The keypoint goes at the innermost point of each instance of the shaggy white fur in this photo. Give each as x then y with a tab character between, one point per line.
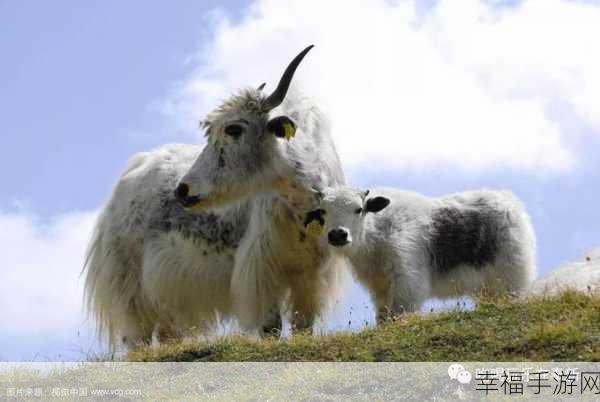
144	268
582	275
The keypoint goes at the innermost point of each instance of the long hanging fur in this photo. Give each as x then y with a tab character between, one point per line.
152	265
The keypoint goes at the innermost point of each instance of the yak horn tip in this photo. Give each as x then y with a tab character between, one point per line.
279	93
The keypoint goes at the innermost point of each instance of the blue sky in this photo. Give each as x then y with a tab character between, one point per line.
477	96
77	82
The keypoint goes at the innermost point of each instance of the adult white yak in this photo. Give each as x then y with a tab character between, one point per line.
191	234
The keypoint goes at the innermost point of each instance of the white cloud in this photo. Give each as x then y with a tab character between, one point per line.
41	288
466	84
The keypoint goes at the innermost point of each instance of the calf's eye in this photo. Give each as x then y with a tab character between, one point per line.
234	130
358	211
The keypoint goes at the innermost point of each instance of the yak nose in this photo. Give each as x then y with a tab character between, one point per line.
182	191
182	194
338	237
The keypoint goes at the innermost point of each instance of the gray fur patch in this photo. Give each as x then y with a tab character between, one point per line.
205	226
464	237
221	158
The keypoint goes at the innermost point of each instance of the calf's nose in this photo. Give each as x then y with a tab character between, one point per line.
338	237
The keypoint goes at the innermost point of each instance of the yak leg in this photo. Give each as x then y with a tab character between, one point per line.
137	326
166	332
305	303
273	325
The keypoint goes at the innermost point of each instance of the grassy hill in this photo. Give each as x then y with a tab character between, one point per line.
563	327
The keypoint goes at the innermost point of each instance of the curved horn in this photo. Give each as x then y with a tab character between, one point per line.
279	93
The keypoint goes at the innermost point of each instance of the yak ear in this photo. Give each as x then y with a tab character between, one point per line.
282	127
376	204
314	223
317	215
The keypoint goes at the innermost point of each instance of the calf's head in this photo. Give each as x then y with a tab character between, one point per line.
241	156
341	214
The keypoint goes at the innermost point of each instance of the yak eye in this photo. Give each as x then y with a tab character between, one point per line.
234	130
358	211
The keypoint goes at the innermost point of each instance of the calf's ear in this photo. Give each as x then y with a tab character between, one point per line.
376	204
282	127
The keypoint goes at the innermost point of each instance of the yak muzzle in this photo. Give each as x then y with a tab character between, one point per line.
183	197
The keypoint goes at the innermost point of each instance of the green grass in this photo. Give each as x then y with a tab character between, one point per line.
559	328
